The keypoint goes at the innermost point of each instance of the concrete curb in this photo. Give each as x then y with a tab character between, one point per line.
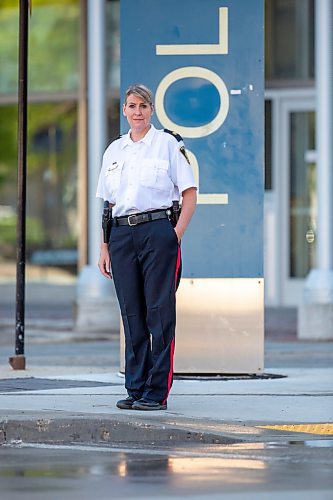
106	431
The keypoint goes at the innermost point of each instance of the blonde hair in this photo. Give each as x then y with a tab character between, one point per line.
141	91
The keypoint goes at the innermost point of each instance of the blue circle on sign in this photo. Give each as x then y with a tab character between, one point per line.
192	102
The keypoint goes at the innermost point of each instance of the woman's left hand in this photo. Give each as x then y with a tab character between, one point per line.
188	207
179	236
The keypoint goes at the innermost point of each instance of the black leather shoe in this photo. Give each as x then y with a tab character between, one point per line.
126	404
145	404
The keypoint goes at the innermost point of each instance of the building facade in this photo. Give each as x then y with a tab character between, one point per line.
57	139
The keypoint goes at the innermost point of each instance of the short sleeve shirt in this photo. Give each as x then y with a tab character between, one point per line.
145	175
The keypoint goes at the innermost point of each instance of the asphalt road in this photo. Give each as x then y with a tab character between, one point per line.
299	470
104	354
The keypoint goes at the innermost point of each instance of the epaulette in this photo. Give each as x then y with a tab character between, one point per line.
176	136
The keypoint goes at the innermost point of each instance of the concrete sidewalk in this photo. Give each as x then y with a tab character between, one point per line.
68	394
216	410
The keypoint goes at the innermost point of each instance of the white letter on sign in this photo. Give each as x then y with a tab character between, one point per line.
205	198
190	72
203	49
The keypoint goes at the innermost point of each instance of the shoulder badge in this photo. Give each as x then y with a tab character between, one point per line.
183	152
176	136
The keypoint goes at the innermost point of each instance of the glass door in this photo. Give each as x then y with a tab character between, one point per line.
298	196
302	194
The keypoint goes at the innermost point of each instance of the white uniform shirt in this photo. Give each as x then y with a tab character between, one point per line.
144	175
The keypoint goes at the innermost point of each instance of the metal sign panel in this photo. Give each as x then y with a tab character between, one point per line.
204	62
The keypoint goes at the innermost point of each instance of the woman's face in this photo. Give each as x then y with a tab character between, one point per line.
138	113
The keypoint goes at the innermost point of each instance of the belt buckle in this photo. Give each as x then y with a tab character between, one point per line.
129	221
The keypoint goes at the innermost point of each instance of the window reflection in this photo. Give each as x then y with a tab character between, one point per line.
289	42
52	163
53	30
112	44
51	181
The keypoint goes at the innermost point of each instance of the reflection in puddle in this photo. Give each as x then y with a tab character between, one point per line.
129	467
317	443
46	472
196	466
127	464
209	464
197	462
311	443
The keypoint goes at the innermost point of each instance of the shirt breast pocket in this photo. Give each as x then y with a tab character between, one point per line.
154	174
113	176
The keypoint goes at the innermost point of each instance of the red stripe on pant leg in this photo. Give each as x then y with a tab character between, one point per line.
170	376
177	267
172	345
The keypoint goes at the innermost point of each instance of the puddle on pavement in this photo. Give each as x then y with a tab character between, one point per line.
315	443
183	468
120	463
127	462
311	443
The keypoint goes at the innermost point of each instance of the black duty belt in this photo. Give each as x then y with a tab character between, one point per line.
133	220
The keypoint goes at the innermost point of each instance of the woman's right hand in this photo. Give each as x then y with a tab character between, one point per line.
104	261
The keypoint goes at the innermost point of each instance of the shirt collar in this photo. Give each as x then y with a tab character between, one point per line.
147	139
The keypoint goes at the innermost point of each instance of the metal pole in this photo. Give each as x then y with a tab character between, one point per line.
324	129
315	314
82	149
18	361
97	120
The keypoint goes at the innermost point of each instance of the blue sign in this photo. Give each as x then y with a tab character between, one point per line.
204	62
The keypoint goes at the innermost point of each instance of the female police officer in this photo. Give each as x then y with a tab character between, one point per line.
142	173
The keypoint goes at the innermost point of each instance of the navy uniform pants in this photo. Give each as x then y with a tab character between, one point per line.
145	261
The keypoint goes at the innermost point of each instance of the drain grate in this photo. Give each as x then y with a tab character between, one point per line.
40	384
